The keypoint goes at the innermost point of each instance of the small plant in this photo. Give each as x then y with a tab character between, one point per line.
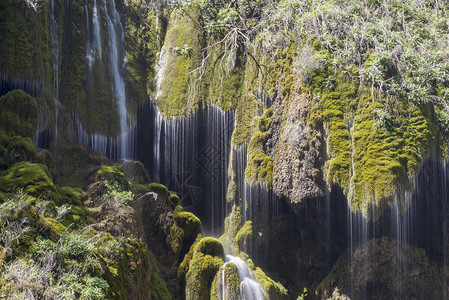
116	195
184	51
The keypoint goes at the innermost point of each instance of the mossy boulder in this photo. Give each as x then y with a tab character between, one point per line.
16	148
34	179
159	189
113	173
184	231
19	114
232	280
207	259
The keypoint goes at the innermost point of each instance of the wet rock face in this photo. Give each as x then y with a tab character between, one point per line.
296	149
157	218
383	269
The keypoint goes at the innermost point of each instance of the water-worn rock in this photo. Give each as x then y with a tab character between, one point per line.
297	150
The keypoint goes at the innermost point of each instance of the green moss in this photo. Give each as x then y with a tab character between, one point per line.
19	114
376	159
34	179
16	148
113	173
233	222
141	53
260	166
135	171
386	158
245	232
174	199
206	262
232	279
25	41
185	230
274	289
159	289
159	189
173	97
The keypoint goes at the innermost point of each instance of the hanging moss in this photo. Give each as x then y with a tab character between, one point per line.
260	166
25	42
207	259
141	50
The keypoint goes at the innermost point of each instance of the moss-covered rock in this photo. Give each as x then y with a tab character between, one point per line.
260	166
159	289
184	231
19	114
16	148
207	259
159	189
34	179
185	32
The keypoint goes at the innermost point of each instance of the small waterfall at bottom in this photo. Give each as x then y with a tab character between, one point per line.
248	289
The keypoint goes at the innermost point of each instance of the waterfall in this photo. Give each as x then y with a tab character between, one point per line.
249	288
55	64
116	65
89	57
7	84
190	156
96	31
121	146
93	44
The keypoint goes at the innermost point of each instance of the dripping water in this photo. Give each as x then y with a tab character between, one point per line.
116	65
55	66
190	156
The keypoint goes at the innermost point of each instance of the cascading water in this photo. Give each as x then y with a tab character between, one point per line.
55	64
93	41
116	63
190	156
249	288
121	146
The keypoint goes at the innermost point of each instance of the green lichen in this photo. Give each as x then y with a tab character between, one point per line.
207	259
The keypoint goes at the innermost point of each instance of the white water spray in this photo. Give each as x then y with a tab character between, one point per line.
249	288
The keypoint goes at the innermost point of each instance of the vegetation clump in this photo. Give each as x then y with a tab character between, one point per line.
207	259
